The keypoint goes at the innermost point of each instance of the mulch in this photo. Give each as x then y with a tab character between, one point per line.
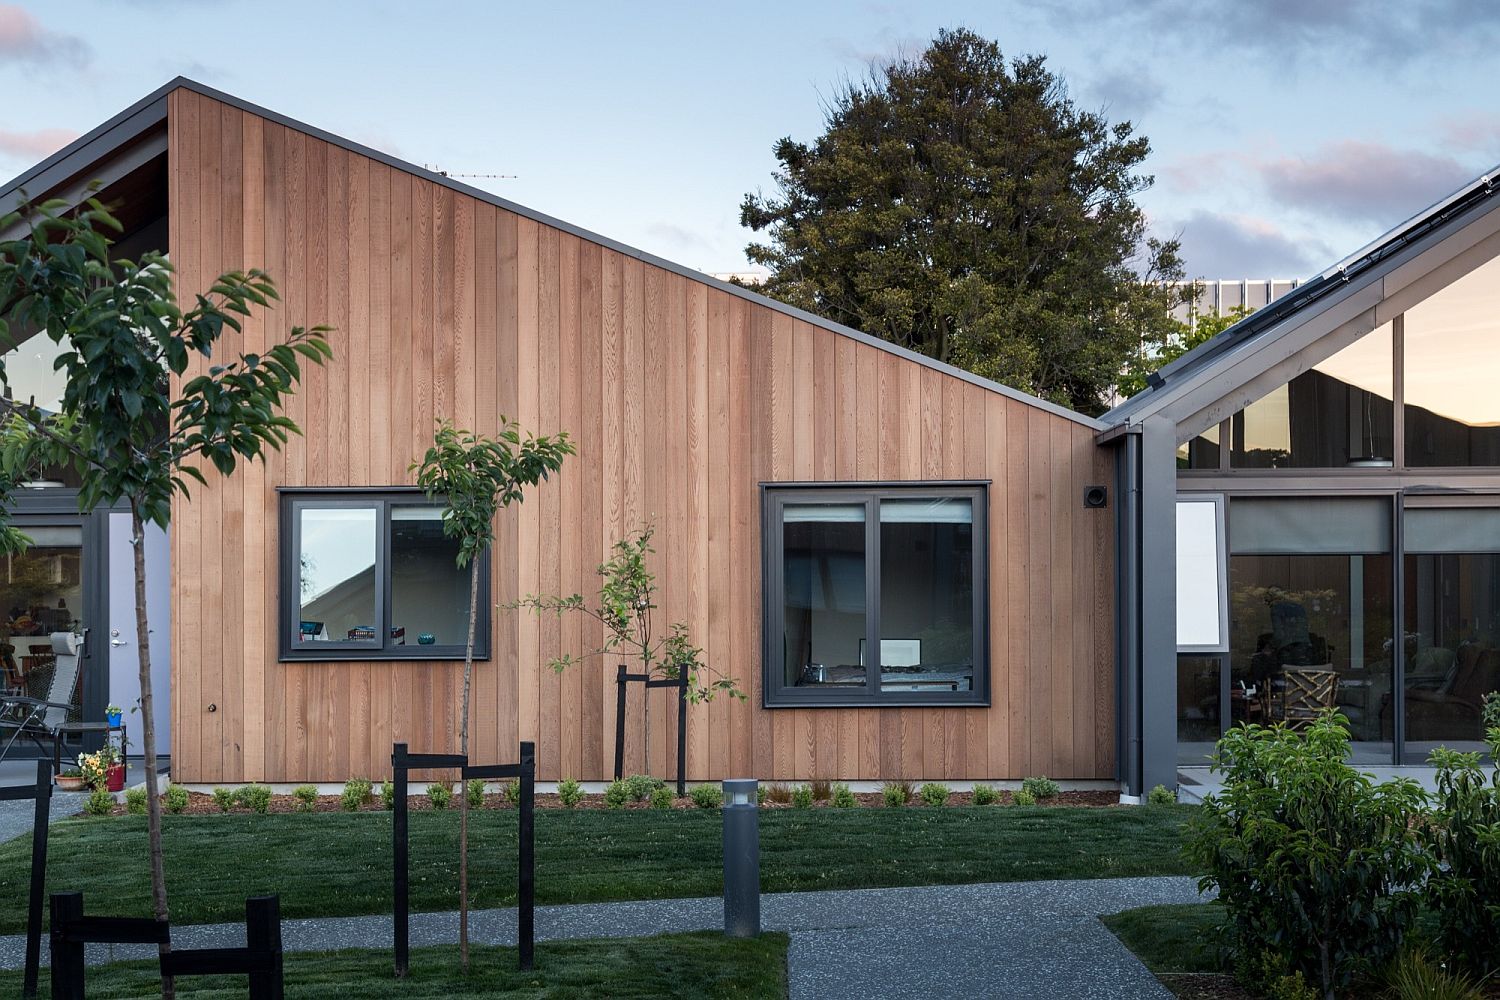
1203	986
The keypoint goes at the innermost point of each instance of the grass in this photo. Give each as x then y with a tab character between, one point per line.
339	864
674	965
1174	939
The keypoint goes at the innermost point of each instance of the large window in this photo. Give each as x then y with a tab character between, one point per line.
875	595
372	576
1452	369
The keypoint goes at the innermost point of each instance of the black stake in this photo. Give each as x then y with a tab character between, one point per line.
38	879
525	917
620	723
682	703
66	955
398	834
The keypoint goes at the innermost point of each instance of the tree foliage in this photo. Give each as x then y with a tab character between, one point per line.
1181	337
964	207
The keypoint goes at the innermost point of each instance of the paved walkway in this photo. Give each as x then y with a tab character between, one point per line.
1018	939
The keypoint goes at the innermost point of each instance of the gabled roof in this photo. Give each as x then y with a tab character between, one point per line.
1175	383
145	116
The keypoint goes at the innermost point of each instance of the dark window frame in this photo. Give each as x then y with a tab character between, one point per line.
296	499
775	692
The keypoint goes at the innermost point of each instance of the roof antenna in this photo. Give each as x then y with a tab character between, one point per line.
444	173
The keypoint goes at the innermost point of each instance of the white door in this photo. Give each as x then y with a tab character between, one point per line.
124	662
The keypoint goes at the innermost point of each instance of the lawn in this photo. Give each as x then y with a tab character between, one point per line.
674	965
1172	940
335	864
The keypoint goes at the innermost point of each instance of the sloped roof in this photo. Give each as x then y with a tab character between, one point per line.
150	112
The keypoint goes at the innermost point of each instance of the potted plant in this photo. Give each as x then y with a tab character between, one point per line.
112	715
105	768
70	780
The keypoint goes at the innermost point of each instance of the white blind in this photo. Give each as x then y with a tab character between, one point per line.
929	510
1453	529
415	513
823	513
52	535
1309	526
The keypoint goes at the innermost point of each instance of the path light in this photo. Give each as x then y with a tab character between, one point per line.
741	858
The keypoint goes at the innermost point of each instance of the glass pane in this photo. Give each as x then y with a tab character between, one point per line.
1337	415
41	592
1452	607
823	566
927	595
429	593
1311	525
1199	715
1452	369
1202	452
336	570
29	374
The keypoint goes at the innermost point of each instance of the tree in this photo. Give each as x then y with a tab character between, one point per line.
1183	337
475	477
124	337
965	208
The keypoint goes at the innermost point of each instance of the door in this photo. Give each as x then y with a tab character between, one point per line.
123	655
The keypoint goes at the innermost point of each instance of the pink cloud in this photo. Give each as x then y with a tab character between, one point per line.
24	39
1358	179
35	145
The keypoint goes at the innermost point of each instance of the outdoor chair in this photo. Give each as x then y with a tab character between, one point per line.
1309	692
38	719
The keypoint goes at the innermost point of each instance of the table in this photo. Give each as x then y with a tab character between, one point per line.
71	728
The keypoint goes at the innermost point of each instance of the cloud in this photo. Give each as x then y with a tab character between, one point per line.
35	145
1475	132
1363	181
681	239
1128	92
1218	245
23	40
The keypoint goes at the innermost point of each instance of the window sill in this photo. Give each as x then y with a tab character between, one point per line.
374	655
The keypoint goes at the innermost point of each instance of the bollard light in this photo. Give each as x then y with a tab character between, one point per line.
741	858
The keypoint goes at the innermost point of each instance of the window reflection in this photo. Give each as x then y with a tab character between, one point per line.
336	570
1452	373
927	594
429	593
823	548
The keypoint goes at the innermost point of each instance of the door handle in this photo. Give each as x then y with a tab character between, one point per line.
117	642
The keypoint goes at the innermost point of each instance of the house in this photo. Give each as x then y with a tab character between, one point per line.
912	572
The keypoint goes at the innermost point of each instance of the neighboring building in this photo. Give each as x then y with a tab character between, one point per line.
1224	296
913	572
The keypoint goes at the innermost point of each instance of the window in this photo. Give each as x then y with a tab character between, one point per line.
875	595
1452	410
372	576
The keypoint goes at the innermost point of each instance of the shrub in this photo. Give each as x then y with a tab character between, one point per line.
1041	788
304	798
616	794
640	786
982	795
1273	979
99	803
1161	795
224	799
1463	834
513	791
896	793
1414	976
843	798
778	793
135	801
822	790
760	795
388	795
934	794
707	796
1021	797
802	797
570	792
176	799
439	795
1312	860
258	797
662	798
474	789
356	793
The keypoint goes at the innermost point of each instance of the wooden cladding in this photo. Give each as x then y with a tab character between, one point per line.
681	398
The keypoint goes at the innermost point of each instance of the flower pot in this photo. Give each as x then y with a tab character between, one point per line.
70	783
115	778
112	718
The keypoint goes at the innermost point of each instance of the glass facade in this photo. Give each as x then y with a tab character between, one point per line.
1452	368
41	592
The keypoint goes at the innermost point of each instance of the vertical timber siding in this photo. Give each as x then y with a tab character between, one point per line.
682	398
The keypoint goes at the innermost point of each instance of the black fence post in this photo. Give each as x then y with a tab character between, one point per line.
682	703
620	723
38	879
526	908
263	940
401	933
66	956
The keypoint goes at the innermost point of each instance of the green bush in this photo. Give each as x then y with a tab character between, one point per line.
224	799
257	798
896	793
1041	788
304	798
982	795
934	794
640	786
760	795
570	792
1313	861
474	790
707	796
1463	834
388	794
843	798
1273	979
99	803
802	797
176	799
1161	795
1414	976
513	791
356	793
662	798
135	801
1021	797
439	795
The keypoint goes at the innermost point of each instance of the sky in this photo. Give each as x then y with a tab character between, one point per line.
1285	134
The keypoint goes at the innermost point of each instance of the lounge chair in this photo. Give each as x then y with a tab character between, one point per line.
38	719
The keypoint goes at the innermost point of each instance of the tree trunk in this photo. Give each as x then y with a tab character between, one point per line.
148	734
463	748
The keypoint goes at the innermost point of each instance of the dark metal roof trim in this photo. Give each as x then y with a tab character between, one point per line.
546	220
1310	292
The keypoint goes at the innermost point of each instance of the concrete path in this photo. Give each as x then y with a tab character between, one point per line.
1018	939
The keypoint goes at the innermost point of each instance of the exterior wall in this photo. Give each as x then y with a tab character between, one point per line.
682	398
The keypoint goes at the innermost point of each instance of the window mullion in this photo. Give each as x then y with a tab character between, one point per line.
383	576
872	596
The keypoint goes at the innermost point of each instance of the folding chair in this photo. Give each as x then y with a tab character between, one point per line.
39	718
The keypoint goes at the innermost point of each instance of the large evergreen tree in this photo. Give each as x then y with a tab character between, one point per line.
963	206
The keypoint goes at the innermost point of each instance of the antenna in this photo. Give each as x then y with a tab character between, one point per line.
444	173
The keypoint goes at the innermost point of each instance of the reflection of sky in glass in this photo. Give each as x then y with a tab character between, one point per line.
29	372
1453	349
337	544
1366	364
